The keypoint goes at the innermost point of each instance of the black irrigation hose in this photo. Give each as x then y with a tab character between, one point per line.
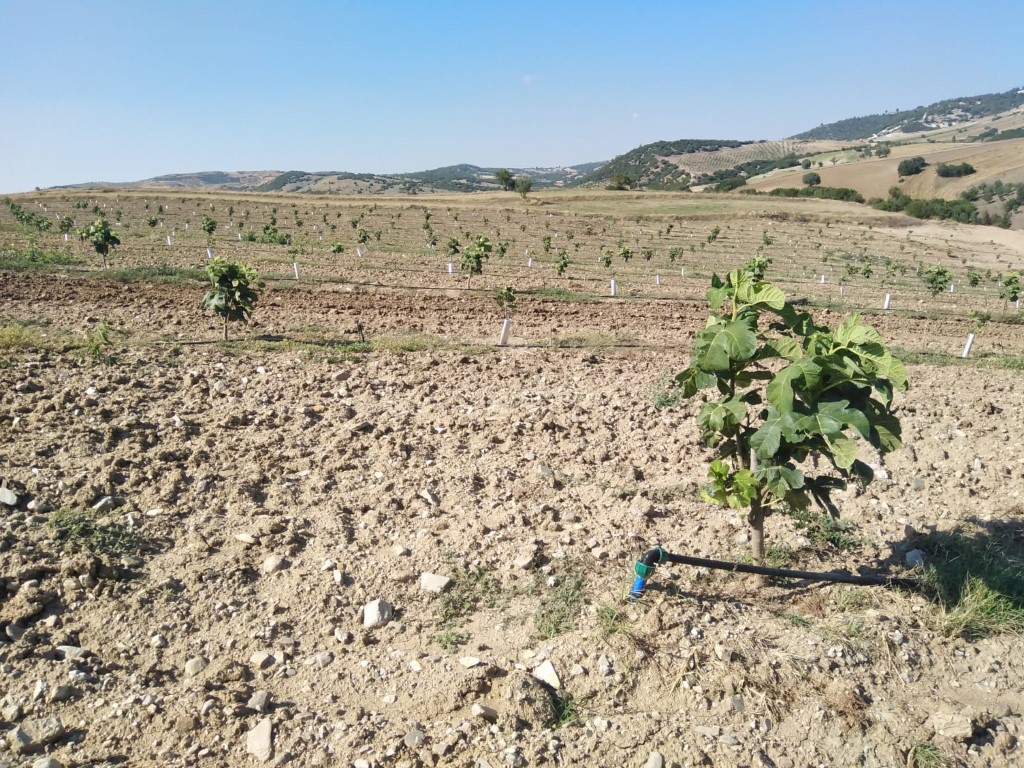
651	559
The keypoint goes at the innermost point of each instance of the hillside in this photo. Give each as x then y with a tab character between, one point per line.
940	114
680	164
452	178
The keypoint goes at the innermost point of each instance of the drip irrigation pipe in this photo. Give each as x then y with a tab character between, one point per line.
652	558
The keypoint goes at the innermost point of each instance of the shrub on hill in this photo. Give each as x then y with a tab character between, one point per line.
823	193
911	166
952	170
728	185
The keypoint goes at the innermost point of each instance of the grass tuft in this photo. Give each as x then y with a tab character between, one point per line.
927	755
976	574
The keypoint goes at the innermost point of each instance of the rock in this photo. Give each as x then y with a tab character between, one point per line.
604	666
158	641
527	702
377	613
914	558
64	693
184	723
273	564
262	659
195	665
656	760
259	741
105	504
8	497
11	712
953	726
47	762
729	741
527	558
710	731
322	659
484	712
432	582
414	739
546	673
71	652
259	701
469	662
34	733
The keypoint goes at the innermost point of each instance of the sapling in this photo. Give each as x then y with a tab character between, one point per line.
236	288
563	261
763	422
473	258
99	235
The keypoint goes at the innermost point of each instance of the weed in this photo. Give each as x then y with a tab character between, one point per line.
666	393
611	621
561	605
163	273
796	619
98	345
823	529
559	294
34	259
469	588
977	576
565	709
778	555
927	755
16	337
91	531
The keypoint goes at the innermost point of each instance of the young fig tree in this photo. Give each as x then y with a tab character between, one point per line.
100	237
506	298
235	289
473	258
788	406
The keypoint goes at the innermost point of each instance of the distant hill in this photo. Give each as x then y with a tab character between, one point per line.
680	164
941	114
452	178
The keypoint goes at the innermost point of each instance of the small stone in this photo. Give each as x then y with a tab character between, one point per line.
47	762
259	741
433	582
414	739
195	665
184	723
377	613
259	701
322	659
273	563
914	558
8	497
71	652
484	712
710	731
105	504
262	659
469	661
399	551
546	673
158	641
64	693
527	558
655	760
246	538
729	741
604	666
723	653
11	712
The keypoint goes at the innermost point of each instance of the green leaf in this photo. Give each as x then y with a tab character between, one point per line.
840	411
727	343
784	347
780	480
768	437
723	416
760	295
780	390
843	451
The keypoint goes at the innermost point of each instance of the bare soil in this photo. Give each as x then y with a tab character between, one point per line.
533	465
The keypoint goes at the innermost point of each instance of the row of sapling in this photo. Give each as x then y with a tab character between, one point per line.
782	397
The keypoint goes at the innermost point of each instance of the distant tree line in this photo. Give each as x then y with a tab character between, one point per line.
824	193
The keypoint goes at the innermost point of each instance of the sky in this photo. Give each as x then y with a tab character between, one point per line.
123	90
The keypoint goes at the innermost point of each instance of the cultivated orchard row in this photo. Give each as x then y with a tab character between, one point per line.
538	245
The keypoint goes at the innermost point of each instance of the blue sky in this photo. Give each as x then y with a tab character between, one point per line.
107	90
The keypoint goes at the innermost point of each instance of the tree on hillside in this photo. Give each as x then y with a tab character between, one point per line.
523	185
911	166
883	150
811	179
504	177
620	181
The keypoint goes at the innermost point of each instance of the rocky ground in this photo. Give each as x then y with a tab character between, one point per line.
247	555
